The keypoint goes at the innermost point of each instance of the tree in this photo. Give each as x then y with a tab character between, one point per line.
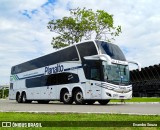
83	24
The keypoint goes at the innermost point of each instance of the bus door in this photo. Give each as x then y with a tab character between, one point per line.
51	86
95	82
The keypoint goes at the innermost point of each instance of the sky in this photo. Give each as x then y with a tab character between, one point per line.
24	34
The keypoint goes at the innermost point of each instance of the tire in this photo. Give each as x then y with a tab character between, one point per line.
18	98
24	98
78	97
90	102
43	101
103	102
65	97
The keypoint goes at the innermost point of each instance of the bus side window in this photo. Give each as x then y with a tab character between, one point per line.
11	86
51	80
95	73
73	78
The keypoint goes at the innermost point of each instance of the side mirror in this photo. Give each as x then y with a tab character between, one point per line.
136	63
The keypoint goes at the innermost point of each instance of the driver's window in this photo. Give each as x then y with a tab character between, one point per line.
95	74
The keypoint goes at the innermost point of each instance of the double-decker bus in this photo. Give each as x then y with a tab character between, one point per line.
83	73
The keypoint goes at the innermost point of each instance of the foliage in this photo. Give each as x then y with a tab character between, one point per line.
139	99
4	93
38	117
83	24
14	116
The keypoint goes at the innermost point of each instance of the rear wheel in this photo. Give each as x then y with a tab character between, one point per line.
24	98
66	98
103	102
78	97
18	98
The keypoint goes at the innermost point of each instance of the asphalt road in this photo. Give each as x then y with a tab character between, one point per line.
149	108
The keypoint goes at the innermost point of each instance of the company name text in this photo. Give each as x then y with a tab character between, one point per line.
55	69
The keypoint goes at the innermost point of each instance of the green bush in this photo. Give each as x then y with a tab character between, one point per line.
6	92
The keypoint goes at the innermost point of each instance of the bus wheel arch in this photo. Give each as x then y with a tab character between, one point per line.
65	97
18	97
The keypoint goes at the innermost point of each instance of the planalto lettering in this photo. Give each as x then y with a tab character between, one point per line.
55	69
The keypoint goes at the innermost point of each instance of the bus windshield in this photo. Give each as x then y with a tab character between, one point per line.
115	73
111	49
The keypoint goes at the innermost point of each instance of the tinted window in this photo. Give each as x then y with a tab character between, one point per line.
93	70
54	79
111	49
95	73
62	78
11	85
36	82
68	54
87	49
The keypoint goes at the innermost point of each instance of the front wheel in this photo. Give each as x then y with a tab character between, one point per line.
78	97
66	98
103	102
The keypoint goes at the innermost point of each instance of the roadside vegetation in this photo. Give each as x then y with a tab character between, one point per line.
4	93
139	99
12	116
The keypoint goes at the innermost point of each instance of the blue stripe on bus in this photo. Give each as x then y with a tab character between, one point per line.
32	76
72	68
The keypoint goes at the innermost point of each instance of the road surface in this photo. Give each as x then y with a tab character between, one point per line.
148	108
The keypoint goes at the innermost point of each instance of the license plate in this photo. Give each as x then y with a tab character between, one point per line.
121	97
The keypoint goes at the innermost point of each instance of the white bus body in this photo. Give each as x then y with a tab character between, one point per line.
84	72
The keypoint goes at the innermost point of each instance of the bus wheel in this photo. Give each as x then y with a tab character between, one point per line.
103	102
90	102
66	99
18	98
24	98
78	97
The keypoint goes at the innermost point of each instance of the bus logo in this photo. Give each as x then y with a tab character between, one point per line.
55	69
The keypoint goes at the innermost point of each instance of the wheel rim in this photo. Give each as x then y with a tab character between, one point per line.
79	96
24	98
19	98
66	97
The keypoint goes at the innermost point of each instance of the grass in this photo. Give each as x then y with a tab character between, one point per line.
12	116
138	99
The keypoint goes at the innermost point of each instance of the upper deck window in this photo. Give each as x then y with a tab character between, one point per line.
87	49
111	49
67	54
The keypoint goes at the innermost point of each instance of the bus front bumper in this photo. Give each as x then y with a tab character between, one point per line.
109	94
